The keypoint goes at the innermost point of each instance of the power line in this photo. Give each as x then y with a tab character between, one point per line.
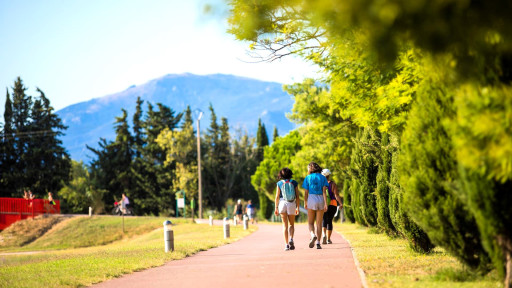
28	134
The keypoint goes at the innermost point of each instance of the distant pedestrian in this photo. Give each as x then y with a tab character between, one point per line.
50	208
238	210
25	194
334	204
250	210
287	204
315	200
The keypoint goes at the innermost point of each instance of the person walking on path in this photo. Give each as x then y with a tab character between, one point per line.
315	201
250	210
334	203
287	204
238	211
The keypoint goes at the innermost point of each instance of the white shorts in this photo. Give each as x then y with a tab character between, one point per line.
316	202
286	207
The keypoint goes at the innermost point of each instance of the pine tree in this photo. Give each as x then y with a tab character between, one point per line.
8	159
50	165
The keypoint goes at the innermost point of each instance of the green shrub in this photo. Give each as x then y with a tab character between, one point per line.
430	181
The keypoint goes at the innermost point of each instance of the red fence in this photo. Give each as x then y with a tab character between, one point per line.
15	209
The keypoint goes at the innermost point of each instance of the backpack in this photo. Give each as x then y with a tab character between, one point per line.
288	191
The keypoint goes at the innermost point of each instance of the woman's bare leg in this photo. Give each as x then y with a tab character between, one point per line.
291	229
311	222
319	218
285	227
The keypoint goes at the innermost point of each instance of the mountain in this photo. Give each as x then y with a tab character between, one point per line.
241	100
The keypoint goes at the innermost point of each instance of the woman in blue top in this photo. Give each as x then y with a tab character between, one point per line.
315	201
287	204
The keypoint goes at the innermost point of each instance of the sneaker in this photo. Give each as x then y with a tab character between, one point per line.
318	246
287	247
329	241
312	242
292	246
324	240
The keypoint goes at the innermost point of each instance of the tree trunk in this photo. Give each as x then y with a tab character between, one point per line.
508	267
506	246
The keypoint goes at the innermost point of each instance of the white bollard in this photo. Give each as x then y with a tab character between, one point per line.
90	211
246	222
211	220
168	236
226	228
235	219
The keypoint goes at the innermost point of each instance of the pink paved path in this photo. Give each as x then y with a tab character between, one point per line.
258	260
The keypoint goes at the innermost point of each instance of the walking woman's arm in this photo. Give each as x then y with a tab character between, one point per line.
276	201
325	198
306	194
337	194
297	200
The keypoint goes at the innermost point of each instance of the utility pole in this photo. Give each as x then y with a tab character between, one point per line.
200	190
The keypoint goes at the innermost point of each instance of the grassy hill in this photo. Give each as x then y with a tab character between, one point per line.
105	251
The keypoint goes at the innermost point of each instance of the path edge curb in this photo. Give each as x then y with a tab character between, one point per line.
358	266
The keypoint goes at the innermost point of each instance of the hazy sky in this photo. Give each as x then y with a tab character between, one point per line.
77	50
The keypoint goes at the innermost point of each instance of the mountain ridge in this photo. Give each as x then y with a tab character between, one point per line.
241	100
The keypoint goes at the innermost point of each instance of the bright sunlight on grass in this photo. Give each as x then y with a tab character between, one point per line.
391	263
142	247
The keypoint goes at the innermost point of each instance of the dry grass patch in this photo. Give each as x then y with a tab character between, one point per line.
28	230
391	263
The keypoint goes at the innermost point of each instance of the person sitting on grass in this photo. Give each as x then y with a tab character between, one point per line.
287	204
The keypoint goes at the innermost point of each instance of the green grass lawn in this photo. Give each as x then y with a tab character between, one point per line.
391	263
139	248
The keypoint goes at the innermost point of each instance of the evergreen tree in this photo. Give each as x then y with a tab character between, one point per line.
347	201
21	109
417	238
429	177
382	190
32	155
261	140
8	157
275	134
50	165
366	165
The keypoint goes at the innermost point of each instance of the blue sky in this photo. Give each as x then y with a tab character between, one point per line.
78	50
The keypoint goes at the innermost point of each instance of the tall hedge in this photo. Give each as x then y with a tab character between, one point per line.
418	239
368	169
382	190
347	201
482	134
429	177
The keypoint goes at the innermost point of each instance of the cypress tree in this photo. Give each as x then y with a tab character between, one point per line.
356	174
347	201
275	135
266	205
417	238
430	179
382	190
368	183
